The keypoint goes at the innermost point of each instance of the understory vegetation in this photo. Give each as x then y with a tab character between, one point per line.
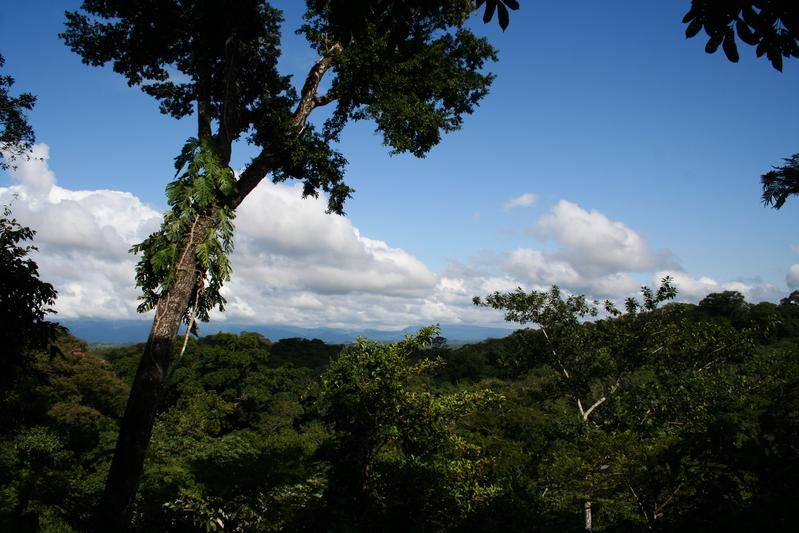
665	417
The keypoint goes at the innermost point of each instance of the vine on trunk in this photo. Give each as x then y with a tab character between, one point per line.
202	188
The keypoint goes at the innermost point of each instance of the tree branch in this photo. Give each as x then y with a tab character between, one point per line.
259	167
309	100
639	502
586	414
326	98
264	162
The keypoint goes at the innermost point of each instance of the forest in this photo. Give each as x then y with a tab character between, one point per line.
650	414
663	416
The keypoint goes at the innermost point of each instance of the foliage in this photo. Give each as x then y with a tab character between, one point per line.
16	135
350	20
781	182
697	430
56	445
204	185
24	299
772	26
395	462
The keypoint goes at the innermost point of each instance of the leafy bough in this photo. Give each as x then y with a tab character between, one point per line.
203	187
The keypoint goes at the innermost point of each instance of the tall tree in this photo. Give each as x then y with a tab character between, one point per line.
415	82
588	372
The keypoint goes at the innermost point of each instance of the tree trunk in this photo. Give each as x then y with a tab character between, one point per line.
137	423
589	517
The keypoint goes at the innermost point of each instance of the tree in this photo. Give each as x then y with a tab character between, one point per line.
16	135
781	182
396	462
590	373
415	83
24	299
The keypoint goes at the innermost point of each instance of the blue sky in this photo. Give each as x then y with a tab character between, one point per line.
643	154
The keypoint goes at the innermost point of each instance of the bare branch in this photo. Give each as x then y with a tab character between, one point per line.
586	414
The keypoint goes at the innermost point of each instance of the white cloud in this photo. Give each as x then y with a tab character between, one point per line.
290	242
593	244
539	268
527	199
294	264
792	277
33	172
83	238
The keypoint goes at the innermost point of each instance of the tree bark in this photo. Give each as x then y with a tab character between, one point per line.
589	517
137	423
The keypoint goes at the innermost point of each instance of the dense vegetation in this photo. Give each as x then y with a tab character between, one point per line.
668	417
675	418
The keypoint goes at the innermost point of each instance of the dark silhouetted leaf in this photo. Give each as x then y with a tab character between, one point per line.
775	57
750	16
745	33
761	48
730	50
693	28
512	4
689	16
502	15
491	5
713	43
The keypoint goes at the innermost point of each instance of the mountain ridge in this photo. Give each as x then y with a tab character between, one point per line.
134	331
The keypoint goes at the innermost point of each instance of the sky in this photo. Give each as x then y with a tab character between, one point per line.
610	152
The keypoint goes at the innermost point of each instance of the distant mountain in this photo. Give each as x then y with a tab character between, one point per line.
133	331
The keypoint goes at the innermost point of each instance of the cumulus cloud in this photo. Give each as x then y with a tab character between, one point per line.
295	264
594	244
591	254
527	199
792	277
83	238
541	269
290	242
